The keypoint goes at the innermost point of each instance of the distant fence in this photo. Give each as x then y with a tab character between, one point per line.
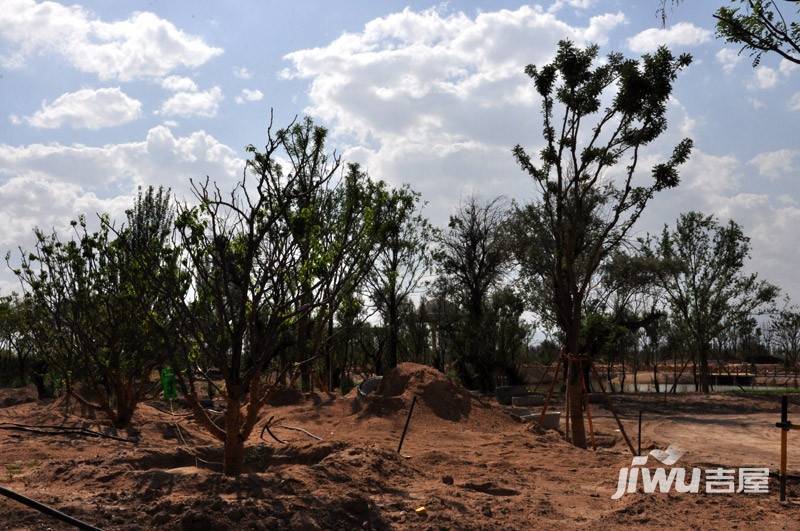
681	373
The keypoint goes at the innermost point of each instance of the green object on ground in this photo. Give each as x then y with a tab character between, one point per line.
168	383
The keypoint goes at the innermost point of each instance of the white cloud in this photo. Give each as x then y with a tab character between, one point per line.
711	174
794	102
161	158
87	109
249	95
728	58
575	4
756	103
178	84
436	99
681	34
764	77
786	67
34	199
714	184
778	164
242	72
140	46
202	103
47	185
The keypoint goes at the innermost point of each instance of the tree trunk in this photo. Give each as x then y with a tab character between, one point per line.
574	387
575	398
705	374
655	377
234	445
393	339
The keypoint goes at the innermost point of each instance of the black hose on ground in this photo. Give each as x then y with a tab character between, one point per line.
46	509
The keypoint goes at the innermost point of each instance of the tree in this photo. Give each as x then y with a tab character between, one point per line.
761	27
474	255
16	338
785	332
587	198
400	265
262	260
93	301
705	282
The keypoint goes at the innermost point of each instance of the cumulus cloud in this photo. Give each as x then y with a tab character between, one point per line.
764	77
242	72
87	109
777	164
438	99
794	102
199	103
47	185
161	158
140	46
681	34
178	84
786	67
249	95
714	184
575	4
728	58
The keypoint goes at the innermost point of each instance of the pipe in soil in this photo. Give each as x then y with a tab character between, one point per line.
46	509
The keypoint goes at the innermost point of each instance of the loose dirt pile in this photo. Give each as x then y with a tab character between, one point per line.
20	395
444	398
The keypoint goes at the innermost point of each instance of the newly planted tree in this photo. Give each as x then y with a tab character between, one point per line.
473	255
588	196
267	260
93	299
400	265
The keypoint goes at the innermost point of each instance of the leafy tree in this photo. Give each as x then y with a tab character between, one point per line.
93	300
704	280
758	26
444	323
268	261
588	199
508	331
401	264
785	329
474	255
16	337
761	26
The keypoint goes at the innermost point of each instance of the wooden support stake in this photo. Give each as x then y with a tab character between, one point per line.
408	420
784	432
588	412
640	433
549	393
613	412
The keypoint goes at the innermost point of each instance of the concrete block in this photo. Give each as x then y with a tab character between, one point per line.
552	419
527	400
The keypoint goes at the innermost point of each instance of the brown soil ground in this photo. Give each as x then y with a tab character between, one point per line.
465	460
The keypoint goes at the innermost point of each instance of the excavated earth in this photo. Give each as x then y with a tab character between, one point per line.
466	464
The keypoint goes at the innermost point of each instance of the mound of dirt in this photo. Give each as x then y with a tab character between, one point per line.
19	395
285	396
443	397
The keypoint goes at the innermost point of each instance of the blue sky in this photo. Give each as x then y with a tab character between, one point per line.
100	97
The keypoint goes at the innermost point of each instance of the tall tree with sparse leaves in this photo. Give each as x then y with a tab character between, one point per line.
588	198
